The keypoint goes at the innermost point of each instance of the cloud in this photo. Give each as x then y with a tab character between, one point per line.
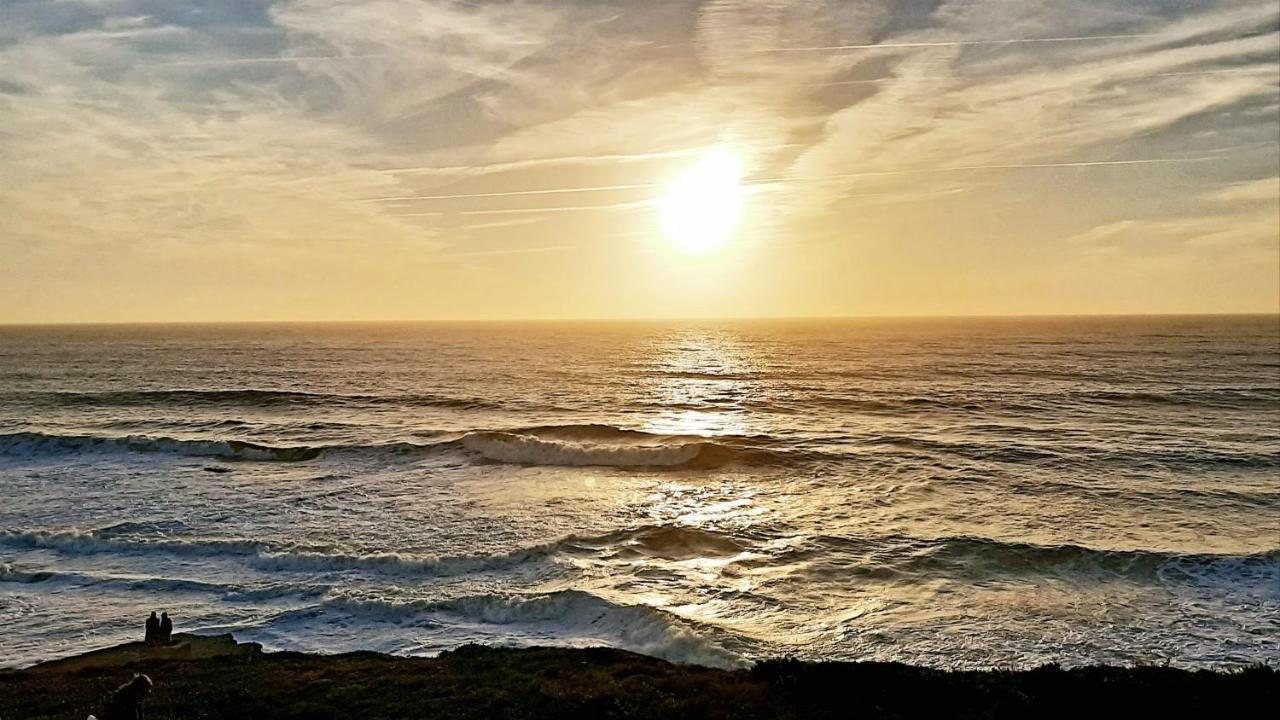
1266	190
243	137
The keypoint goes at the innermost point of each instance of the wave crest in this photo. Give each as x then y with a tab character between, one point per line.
532	450
570	617
252	398
563	445
977	558
35	444
663	542
272	558
605	445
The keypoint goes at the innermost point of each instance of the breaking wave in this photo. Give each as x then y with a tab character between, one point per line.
569	617
30	444
608	446
87	542
250	398
664	542
264	556
566	445
890	556
652	541
981	559
525	449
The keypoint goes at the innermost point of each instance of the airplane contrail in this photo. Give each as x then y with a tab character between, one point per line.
539	162
513	165
1007	166
515	193
763	181
258	60
555	209
515	251
955	43
1135	78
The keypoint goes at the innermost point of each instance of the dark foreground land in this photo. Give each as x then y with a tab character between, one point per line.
200	677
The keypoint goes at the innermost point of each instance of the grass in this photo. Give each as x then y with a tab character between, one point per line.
518	684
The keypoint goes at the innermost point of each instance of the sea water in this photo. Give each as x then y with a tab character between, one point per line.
957	493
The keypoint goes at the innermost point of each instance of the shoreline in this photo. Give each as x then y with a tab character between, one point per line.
217	677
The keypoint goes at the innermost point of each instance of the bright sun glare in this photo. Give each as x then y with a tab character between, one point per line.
702	207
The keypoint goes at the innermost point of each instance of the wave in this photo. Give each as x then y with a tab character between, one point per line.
975	558
1071	454
664	542
564	445
88	542
274	558
884	403
973	450
652	541
606	445
1221	397
704	375
570	617
38	444
1019	556
259	592
9	572
251	398
902	555
399	563
532	450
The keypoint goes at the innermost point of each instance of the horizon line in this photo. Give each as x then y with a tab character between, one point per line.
683	318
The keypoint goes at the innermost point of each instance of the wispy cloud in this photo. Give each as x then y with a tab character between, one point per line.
1265	190
520	193
959	43
166	145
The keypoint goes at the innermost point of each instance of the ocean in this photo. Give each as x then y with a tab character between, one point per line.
950	492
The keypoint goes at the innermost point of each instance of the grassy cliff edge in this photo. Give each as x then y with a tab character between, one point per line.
216	677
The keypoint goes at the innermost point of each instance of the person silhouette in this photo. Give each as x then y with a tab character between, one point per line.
166	628
153	629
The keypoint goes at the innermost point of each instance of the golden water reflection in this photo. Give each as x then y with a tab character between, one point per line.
690	505
703	382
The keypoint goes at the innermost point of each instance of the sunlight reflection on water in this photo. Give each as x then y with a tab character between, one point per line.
701	382
897	490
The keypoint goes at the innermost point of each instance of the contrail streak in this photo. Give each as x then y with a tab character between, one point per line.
956	43
259	60
766	181
1135	78
517	251
1009	166
555	209
539	162
516	193
498	167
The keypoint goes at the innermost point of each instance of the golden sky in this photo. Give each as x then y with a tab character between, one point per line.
170	160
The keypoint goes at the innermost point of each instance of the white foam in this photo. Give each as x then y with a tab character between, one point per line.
531	450
89	541
273	559
31	444
565	617
395	563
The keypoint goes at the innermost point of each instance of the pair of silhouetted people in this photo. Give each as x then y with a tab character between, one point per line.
159	629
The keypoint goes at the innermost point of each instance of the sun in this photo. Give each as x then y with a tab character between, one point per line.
702	208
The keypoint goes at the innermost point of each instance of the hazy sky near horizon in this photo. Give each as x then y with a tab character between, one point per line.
406	159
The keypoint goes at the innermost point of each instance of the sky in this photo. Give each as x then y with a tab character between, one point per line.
221	160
